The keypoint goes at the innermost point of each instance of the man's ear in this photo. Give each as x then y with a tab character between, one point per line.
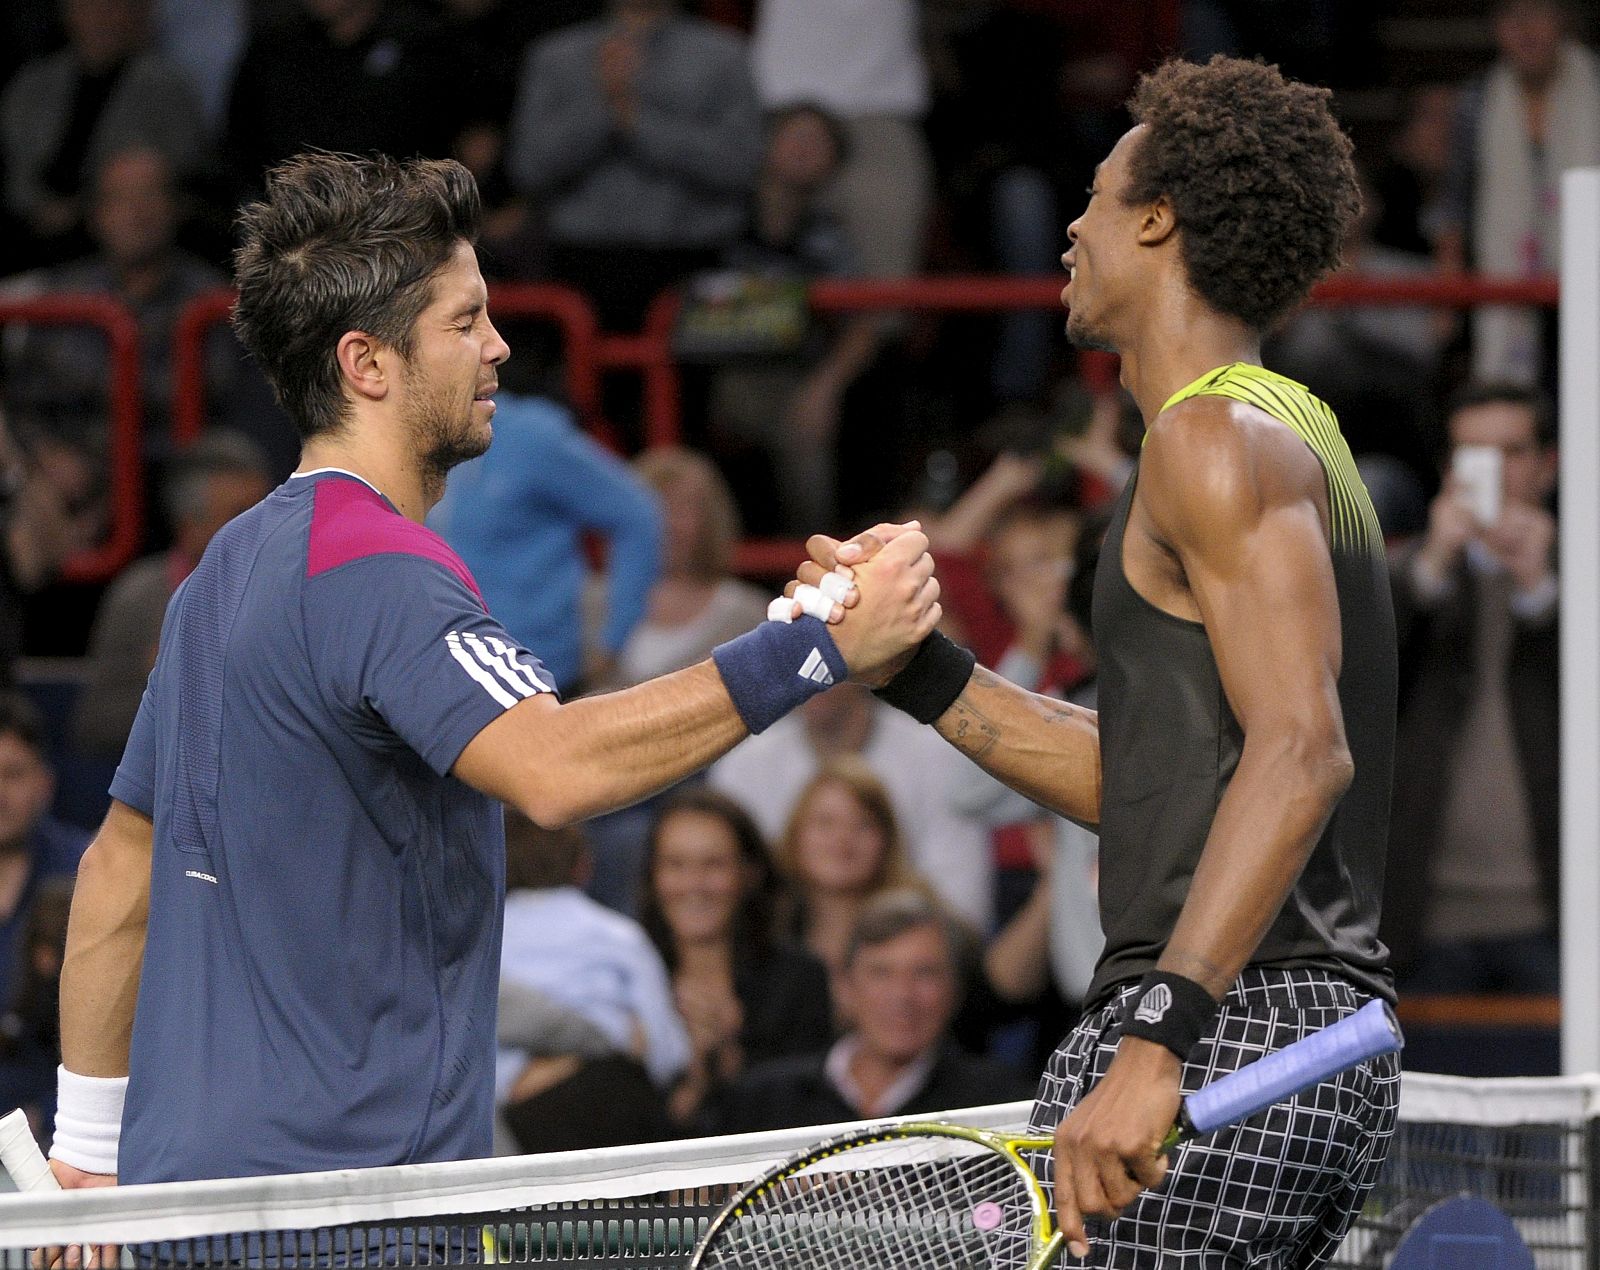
1157	223
362	365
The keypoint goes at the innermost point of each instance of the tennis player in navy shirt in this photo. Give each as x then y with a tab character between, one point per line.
284	945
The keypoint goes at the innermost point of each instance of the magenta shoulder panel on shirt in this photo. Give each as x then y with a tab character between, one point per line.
350	521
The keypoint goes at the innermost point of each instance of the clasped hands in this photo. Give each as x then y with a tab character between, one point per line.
881	601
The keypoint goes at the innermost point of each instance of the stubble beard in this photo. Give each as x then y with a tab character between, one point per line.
1081	335
441	438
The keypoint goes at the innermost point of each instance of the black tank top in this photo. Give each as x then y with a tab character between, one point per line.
1169	743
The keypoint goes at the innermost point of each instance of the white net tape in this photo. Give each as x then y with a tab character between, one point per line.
1521	1142
181	1210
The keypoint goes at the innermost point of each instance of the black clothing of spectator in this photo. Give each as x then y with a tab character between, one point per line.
389	86
1437	672
790	1092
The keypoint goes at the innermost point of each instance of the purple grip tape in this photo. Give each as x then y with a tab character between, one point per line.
1369	1032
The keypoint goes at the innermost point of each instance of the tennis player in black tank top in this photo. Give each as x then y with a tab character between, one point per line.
1239	767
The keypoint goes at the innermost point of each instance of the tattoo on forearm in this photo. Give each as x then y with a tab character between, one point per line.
974	734
1059	712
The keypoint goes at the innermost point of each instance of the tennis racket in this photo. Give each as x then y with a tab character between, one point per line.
928	1196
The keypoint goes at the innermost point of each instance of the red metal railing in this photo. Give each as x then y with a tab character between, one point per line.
591	353
985	294
125	397
189	361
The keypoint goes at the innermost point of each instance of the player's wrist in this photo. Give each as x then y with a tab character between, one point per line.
778	666
1152	1059
1171	1011
932	680
88	1120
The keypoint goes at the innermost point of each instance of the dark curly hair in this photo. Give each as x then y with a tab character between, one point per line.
1258	173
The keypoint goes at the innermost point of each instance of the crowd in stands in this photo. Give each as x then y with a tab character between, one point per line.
845	918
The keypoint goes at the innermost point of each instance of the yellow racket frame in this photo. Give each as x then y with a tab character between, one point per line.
1046	1242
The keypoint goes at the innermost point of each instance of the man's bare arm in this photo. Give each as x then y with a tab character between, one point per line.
564	762
1045	749
105	946
1239	501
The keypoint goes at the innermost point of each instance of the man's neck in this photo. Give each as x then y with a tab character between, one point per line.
390	474
779	207
1179	339
875	1074
139	282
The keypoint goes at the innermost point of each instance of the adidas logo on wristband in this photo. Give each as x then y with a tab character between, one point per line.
1155	1003
816	669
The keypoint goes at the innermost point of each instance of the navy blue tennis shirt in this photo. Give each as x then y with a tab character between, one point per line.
325	901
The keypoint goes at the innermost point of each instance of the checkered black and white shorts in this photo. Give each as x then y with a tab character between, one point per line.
1276	1192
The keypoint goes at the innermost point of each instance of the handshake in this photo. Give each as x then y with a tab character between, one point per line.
877	592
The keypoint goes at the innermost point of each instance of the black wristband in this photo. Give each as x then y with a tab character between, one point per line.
1170	1010
932	679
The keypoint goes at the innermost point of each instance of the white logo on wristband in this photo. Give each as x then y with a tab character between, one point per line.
1153	1006
816	669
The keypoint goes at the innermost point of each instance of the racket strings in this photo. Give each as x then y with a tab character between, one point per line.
908	1204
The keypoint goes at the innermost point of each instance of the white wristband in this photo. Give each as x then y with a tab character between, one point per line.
88	1120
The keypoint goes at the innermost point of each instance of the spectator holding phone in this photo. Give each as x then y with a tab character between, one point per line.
1473	891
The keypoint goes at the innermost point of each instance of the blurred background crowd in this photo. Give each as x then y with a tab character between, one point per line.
844	919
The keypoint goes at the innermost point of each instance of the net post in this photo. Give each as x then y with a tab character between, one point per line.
1580	620
1590	1177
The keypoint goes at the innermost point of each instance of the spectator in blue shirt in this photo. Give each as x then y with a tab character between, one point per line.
517	516
34	846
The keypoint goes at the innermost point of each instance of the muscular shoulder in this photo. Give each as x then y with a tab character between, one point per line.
1213	460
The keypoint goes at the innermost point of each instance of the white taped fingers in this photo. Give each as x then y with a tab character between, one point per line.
814	601
836	586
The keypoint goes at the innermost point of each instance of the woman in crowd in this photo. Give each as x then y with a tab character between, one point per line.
698	603
709	903
842	846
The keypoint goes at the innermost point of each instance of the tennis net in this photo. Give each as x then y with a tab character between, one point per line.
1525	1145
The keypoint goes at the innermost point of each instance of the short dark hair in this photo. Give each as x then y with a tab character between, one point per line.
340	244
1484	392
1259	175
20	718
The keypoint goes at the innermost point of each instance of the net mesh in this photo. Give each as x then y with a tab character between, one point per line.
1524	1145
